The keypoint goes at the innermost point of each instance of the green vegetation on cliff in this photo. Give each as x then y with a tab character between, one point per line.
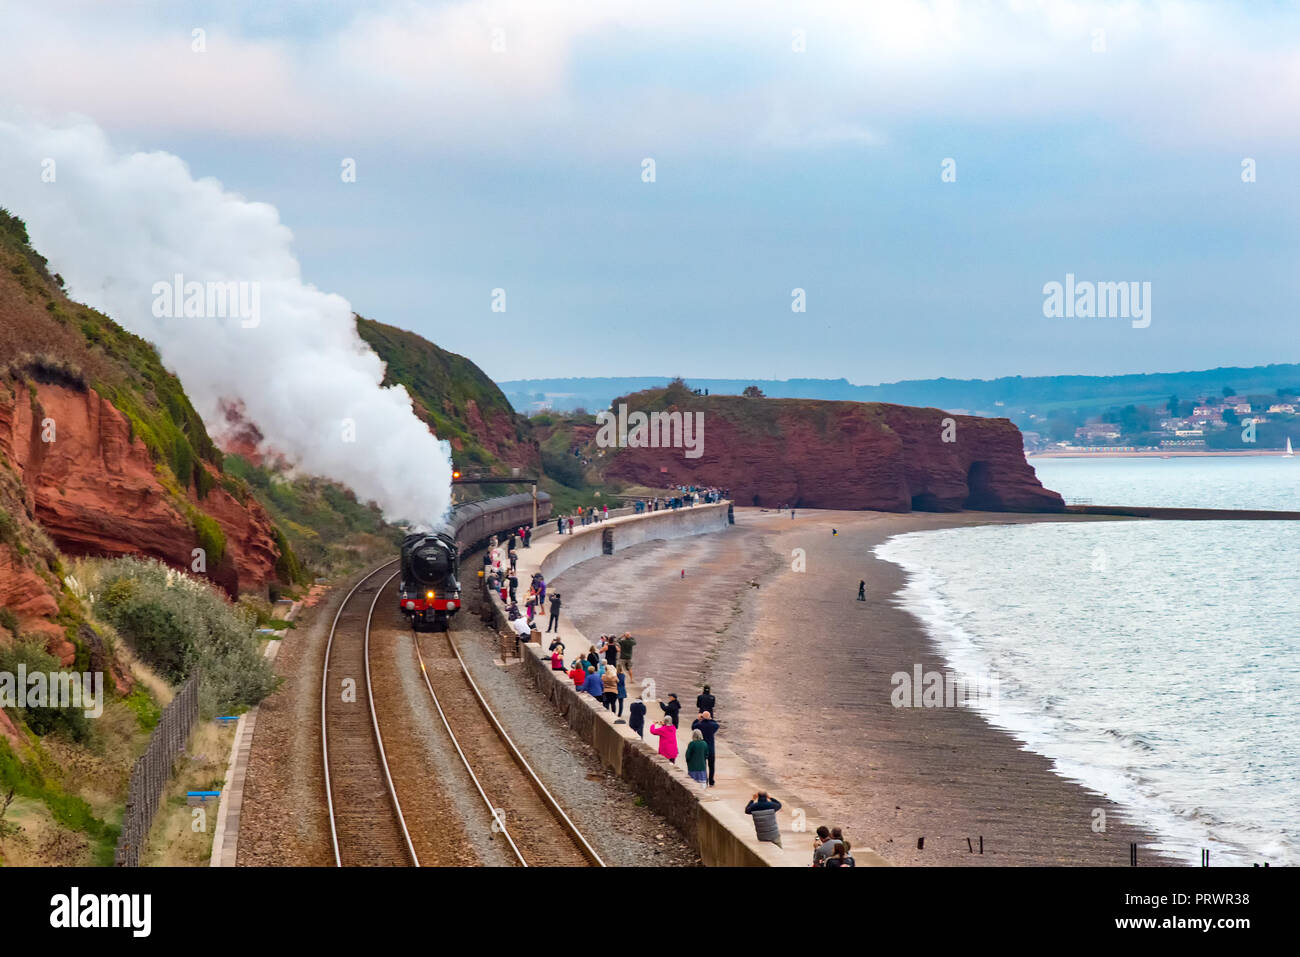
455	397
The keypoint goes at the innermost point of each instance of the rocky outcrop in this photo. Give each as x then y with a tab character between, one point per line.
95	490
847	455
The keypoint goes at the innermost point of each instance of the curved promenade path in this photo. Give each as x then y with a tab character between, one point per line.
714	821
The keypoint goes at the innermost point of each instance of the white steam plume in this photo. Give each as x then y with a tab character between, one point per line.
119	228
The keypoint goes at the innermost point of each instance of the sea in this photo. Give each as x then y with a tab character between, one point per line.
1155	662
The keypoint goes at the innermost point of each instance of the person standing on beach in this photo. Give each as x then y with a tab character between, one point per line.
708	728
862	591
554	623
705	701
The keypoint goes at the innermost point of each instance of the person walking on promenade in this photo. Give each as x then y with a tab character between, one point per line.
625	646
593	658
708	728
667	734
862	591
622	691
609	682
554	623
705	701
514	583
671	708
636	717
559	525
697	759
570	524
611	651
763	809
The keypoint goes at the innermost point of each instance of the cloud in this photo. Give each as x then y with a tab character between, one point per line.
121	228
481	75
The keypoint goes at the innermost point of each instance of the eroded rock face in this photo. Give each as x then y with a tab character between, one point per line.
846	455
96	492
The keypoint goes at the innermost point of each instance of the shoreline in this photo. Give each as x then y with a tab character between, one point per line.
810	708
1157	454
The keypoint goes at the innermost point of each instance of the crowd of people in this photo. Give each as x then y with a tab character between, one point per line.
687	496
605	669
588	515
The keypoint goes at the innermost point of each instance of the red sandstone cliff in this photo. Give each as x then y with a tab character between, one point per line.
96	491
850	455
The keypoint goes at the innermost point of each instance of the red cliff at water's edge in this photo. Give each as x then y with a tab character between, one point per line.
846	455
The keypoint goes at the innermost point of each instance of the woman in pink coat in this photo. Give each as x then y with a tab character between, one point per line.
667	740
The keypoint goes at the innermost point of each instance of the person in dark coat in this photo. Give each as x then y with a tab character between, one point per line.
671	708
554	623
763	809
514	584
705	701
708	727
636	717
559	526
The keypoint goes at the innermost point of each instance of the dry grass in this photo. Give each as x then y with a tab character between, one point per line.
173	842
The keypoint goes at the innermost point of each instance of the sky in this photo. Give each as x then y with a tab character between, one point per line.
502	146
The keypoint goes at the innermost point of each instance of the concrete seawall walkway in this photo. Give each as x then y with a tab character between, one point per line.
724	832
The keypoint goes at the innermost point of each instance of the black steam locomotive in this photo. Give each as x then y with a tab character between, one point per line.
429	584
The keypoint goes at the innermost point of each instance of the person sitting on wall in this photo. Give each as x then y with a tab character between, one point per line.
763	809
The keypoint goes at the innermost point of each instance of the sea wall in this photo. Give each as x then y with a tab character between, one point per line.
569	550
714	823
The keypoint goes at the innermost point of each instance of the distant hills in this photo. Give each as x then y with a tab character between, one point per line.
989	397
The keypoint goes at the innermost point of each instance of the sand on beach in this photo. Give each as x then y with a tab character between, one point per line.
802	670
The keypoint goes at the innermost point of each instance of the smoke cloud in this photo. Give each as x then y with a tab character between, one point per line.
211	279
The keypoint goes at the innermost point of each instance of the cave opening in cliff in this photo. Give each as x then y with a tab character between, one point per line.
979	487
928	502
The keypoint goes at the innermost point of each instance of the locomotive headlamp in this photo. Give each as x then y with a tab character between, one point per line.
429	595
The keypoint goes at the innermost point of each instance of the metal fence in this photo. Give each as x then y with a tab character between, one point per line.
153	770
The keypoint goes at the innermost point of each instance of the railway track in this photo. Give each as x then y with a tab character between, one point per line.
366	823
523	811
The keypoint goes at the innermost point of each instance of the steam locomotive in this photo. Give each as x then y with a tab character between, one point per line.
429	585
429	588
